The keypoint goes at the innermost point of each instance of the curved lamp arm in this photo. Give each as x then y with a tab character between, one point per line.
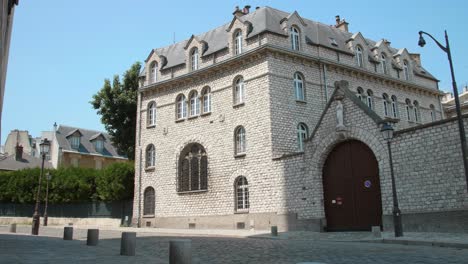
437	42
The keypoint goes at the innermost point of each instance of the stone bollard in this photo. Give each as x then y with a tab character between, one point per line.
127	244
376	232
68	233
12	228
93	237
180	251
274	231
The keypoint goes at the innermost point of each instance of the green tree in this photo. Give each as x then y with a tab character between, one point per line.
117	105
115	182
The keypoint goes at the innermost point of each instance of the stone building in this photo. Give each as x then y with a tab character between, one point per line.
243	127
448	103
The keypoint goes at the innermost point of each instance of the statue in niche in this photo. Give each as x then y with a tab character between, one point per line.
339	116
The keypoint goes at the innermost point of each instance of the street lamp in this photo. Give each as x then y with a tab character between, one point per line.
387	133
461	126
48	177
44	147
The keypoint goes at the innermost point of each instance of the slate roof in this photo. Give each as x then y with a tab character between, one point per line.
267	19
86	144
27	161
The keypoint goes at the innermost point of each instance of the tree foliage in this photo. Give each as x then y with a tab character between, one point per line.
68	185
117	105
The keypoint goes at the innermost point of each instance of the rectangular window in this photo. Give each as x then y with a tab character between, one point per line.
75	142
206	103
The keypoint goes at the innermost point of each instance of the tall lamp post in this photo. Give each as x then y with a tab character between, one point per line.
387	132
48	177
44	147
461	126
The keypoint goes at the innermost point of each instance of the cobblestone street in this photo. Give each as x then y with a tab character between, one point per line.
50	248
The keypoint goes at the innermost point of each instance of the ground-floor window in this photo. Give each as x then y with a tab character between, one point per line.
242	194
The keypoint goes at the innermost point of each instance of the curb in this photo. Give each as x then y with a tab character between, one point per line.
418	243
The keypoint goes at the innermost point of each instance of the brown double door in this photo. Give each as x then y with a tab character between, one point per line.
352	188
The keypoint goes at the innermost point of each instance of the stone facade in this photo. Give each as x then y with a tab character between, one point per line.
284	183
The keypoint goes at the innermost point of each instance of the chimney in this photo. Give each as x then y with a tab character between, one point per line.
256	8
341	24
246	9
18	152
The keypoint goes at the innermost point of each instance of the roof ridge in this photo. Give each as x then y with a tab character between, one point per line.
80	128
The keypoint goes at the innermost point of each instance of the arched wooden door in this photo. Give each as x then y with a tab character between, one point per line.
352	188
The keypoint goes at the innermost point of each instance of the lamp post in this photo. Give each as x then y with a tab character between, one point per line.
44	146
387	132
461	126
48	177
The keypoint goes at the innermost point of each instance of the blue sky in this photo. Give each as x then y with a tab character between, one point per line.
61	51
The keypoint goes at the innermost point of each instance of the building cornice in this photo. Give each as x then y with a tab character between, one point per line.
261	50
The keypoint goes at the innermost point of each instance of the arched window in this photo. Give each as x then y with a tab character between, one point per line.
194	59
194	104
383	62
242	194
193	169
359	57
360	95
148	201
417	116
206	100
181	107
299	87
151	114
238	42
405	70
370	99
154	72
386	103
150	156
239	92
408	109
394	106
302	134
294	35
239	139
433	117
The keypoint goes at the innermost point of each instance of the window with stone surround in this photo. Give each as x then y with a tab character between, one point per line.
405	70
194	104
383	63
359	56
193	169
242	194
194	59
360	95
433	117
150	156
239	91
417	113
75	141
151	114
295	38
299	87
239	141
386	104
206	100
181	107
148	201
302	134
238	42
154	72
408	109
394	107
370	99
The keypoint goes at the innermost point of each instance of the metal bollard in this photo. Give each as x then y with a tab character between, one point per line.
180	251
93	237
127	244
68	233
12	228
274	231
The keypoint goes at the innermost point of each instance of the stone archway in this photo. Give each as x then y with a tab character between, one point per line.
351	185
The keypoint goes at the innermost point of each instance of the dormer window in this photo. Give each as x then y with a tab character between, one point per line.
383	61
294	34
238	42
194	59
359	56
405	70
75	142
154	72
99	145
